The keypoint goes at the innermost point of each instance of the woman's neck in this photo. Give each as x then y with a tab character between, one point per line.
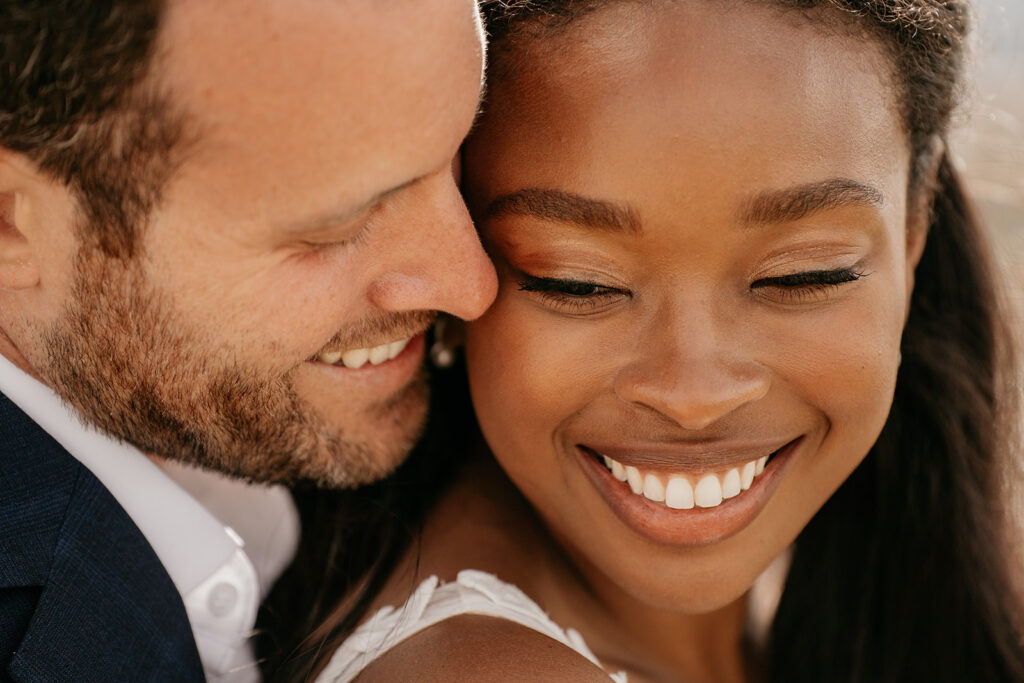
484	523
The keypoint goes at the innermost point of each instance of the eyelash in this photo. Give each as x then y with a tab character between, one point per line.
802	287
575	296
579	296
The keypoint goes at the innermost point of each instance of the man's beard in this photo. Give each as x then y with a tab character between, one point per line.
129	363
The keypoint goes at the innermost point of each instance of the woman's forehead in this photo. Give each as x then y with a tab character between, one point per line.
694	90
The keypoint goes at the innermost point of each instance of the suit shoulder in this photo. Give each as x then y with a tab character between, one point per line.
37	482
476	648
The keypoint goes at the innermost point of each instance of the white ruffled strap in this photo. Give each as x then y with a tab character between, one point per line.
473	592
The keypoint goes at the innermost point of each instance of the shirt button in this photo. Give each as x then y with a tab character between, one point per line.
222	599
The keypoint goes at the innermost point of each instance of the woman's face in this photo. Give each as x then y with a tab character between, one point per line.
699	220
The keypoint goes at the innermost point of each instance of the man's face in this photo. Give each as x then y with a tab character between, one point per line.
313	214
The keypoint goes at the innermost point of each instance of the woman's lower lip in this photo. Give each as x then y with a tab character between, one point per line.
697	526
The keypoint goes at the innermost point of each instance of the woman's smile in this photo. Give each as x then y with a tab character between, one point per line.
672	505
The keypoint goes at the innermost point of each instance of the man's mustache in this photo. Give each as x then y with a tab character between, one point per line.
378	330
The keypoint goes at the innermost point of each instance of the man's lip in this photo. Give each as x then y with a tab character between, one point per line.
693	456
350	346
387	377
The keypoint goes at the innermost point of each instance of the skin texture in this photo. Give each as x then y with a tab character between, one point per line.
312	208
488	644
681	114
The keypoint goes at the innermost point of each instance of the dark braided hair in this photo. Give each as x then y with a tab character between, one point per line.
903	574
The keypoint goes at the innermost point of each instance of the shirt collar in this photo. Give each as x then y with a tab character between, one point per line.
202	554
167	516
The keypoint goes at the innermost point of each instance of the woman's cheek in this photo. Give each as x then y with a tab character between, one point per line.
844	366
529	371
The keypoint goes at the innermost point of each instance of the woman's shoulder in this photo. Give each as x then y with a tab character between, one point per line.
472	647
476	627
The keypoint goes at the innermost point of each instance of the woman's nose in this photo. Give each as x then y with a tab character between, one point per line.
692	370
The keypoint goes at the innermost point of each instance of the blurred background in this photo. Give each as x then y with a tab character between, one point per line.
989	148
988	143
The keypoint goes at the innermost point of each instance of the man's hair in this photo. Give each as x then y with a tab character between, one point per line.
75	99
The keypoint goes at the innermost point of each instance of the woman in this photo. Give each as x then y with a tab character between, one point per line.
744	308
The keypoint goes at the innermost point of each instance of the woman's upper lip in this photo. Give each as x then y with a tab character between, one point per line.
693	456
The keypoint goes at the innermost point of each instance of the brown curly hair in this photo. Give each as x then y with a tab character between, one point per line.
75	98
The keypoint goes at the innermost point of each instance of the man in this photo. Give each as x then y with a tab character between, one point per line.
224	229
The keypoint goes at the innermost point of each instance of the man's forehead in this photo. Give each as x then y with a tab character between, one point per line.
318	52
316	97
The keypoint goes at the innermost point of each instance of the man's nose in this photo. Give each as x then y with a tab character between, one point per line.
436	261
691	368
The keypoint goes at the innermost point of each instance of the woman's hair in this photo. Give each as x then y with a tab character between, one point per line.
352	540
904	574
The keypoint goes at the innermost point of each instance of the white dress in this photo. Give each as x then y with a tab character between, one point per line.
473	592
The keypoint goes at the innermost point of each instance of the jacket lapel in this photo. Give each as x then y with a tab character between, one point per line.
108	611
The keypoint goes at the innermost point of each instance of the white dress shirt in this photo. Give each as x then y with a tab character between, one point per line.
223	542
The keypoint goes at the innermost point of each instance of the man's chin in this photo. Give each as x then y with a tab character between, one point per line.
376	445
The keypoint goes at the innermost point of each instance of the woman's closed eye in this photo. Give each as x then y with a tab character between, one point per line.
571	296
582	296
808	286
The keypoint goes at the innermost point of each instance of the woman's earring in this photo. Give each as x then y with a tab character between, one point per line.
442	354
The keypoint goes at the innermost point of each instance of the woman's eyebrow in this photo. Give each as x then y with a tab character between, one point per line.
794	203
771	206
566	207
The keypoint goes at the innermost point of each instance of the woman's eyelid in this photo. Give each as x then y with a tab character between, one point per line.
808	266
809	258
555	276
811	278
567	287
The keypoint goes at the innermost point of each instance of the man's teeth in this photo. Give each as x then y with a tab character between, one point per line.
683	492
357	358
330	357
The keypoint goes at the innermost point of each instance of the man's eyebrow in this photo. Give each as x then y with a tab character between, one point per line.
566	207
794	203
336	218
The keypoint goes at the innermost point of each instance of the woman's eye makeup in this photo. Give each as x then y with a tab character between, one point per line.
581	296
807	286
573	296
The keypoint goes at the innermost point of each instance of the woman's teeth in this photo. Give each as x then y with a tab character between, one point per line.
357	358
682	491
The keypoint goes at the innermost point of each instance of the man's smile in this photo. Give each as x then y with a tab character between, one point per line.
357	358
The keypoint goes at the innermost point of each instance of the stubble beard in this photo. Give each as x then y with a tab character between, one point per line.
131	366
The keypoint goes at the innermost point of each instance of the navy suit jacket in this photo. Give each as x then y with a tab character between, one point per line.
83	596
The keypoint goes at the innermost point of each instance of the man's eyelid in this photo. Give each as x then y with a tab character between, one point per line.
343	232
354	216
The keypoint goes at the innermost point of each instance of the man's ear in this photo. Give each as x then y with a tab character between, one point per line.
19	268
919	212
